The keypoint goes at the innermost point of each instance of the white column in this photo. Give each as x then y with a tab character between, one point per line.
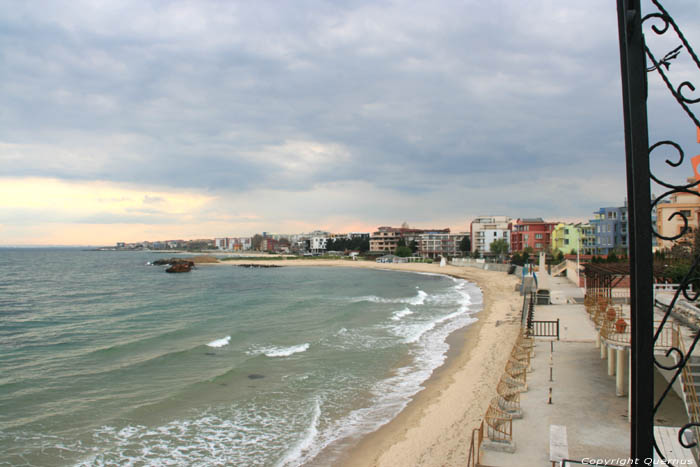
603	350
611	361
621	372
597	341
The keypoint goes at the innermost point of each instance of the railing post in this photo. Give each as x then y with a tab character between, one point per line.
634	89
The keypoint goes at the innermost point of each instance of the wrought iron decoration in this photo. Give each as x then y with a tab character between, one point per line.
634	72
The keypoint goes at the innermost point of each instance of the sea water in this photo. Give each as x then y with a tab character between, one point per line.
107	360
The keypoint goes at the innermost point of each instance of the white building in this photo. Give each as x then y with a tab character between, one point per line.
486	229
318	244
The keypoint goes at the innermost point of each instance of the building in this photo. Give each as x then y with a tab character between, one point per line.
435	245
587	239
386	239
486	229
670	225
318	244
610	226
534	233
567	238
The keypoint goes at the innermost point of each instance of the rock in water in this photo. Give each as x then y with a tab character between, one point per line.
181	266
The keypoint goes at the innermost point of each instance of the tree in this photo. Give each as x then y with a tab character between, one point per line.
499	247
413	246
403	251
557	256
465	245
256	241
517	259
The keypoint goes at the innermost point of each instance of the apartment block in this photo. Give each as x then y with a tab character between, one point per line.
534	233
486	229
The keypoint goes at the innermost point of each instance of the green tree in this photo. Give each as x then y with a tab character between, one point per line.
558	256
465	245
413	246
517	259
499	247
403	251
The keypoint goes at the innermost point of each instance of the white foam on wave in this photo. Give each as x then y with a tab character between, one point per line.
242	436
272	351
220	342
391	395
401	313
306	443
418	299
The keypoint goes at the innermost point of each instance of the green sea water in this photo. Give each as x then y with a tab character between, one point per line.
107	360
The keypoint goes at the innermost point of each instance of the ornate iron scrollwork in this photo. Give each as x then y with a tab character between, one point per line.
661	24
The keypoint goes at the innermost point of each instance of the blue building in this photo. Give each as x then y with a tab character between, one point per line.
610	229
610	226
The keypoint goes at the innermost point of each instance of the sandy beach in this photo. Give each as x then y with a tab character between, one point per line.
435	429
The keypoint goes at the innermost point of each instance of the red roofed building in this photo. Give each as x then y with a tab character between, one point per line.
533	233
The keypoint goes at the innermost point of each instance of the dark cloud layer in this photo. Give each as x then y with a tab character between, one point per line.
502	99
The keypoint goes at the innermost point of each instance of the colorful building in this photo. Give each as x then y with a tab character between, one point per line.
567	238
534	233
610	228
668	225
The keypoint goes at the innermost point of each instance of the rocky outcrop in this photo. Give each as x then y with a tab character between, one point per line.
176	264
181	266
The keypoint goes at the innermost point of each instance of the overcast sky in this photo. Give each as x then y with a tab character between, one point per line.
128	121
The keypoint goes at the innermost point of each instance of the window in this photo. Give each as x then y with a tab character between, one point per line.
525	237
538	245
538	236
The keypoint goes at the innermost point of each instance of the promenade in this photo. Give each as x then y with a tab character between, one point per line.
583	395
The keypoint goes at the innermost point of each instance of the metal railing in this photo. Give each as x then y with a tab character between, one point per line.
691	397
474	456
499	423
545	329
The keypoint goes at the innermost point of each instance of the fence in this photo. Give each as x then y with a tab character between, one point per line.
545	329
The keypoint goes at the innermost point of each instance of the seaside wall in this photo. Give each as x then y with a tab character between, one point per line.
572	273
481	264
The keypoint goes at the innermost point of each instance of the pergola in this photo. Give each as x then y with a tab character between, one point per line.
601	278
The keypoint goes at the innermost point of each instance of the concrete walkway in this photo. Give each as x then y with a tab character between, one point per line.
583	395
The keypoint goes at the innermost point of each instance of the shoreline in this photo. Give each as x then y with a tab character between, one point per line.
434	429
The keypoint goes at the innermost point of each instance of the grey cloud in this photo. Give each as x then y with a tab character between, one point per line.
420	95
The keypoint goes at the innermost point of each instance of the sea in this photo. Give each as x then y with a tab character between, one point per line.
106	359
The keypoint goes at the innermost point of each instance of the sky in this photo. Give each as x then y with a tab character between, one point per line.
152	120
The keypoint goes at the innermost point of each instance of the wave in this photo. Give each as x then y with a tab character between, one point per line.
272	351
401	313
220	342
419	299
307	442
